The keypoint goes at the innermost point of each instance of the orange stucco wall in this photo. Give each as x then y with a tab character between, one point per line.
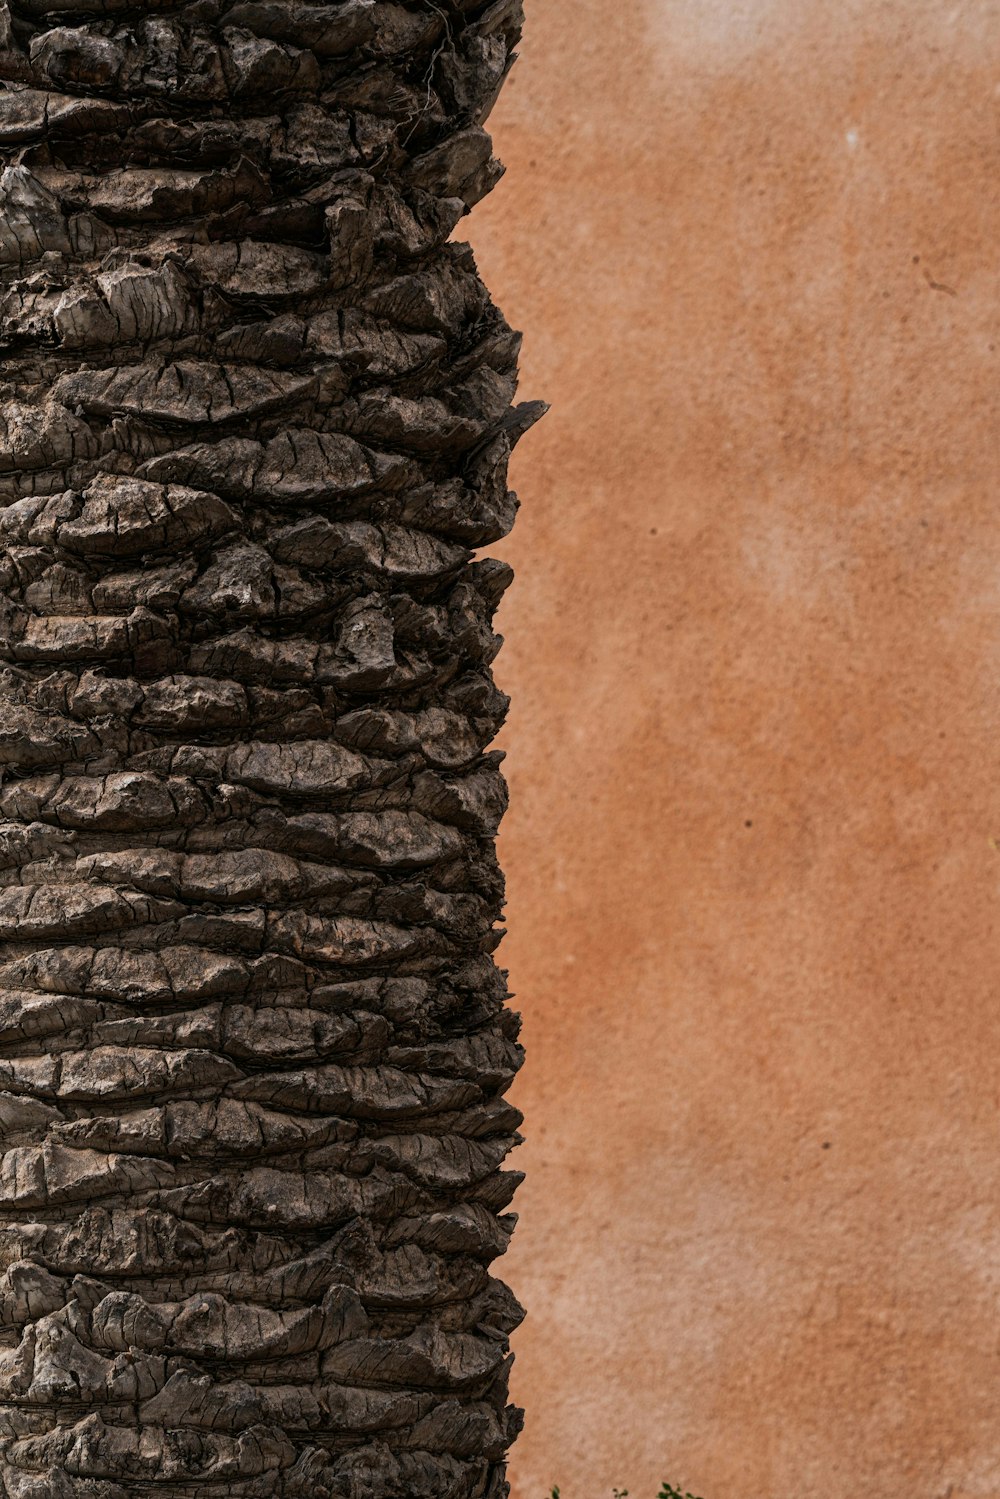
754	649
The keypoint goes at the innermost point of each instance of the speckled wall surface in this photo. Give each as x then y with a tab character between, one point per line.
754	851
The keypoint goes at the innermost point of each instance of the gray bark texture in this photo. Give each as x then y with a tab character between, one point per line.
256	415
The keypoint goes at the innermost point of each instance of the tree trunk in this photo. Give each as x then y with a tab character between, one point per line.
253	1044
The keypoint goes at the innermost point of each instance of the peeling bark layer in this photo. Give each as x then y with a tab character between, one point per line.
253	1045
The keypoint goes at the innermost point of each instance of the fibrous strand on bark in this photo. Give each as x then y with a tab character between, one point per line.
256	415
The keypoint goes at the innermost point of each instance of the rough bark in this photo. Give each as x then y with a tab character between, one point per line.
256	416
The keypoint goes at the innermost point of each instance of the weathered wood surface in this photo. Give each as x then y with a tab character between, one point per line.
256	414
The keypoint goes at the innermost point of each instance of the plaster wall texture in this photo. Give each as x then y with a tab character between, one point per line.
754	649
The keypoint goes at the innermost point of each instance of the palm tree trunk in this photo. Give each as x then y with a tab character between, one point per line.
253	1043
